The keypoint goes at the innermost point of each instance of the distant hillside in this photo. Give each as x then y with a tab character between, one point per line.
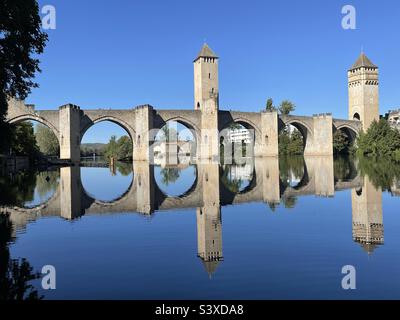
93	145
90	148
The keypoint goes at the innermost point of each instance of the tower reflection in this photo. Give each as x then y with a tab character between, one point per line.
367	216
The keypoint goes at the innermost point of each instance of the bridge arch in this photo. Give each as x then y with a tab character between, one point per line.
37	118
253	135
350	131
123	124
165	120
302	126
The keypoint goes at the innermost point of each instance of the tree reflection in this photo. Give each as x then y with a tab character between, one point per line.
17	189
344	168
124	168
46	182
169	175
232	184
15	274
383	173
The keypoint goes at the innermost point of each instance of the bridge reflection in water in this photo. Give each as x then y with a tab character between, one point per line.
267	180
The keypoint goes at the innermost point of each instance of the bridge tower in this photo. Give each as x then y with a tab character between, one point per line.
206	99
363	81
367	216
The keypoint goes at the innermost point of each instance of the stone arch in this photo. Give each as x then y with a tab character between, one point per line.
303	127
37	118
91	122
162	121
351	132
246	123
183	121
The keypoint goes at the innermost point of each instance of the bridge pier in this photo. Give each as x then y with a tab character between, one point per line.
267	171
70	128
144	132
320	143
320	170
267	144
70	193
144	185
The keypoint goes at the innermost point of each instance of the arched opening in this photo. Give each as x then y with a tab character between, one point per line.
293	178
236	143
106	160
292	139
106	142
174	144
175	180
356	116
344	139
238	178
34	139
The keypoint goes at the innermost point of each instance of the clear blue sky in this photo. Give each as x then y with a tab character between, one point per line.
119	54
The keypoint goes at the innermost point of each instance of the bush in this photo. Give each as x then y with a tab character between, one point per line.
380	140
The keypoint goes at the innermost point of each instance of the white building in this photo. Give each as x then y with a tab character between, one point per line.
240	135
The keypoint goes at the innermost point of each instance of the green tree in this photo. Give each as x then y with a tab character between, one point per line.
21	40
47	141
286	107
380	140
23	142
290	142
111	150
341	142
269	106
125	148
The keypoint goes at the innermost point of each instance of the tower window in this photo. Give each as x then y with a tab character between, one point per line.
356	116
209	76
198	105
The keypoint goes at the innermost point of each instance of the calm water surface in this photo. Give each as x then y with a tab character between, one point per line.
268	229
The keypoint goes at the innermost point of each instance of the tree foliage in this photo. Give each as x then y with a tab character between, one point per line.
290	143
120	149
286	107
341	142
21	39
47	141
269	106
380	140
23	141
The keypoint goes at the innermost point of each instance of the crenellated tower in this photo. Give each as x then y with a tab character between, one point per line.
363	81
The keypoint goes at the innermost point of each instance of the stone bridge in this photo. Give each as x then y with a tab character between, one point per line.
69	123
144	196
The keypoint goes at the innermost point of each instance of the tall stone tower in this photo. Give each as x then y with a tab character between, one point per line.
206	99
367	216
205	78
363	80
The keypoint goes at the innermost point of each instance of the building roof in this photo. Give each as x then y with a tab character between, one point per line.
363	61
206	52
